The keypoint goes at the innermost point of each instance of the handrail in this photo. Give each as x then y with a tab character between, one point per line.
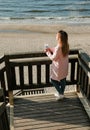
34	54
2	59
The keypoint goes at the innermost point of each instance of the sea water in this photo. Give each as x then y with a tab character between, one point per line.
45	11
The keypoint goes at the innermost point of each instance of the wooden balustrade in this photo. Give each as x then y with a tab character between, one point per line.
37	65
4	124
32	70
84	73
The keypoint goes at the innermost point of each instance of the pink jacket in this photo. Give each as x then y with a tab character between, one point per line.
59	66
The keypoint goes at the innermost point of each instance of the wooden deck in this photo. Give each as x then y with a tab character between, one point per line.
43	112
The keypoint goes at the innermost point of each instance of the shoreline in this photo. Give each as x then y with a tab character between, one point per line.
77	20
17	38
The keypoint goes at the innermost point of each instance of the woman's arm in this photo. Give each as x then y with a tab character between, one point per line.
51	50
54	55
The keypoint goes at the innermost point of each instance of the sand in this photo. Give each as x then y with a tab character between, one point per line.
19	38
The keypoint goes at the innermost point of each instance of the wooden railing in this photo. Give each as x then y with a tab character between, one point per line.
4	124
32	70
29	71
84	74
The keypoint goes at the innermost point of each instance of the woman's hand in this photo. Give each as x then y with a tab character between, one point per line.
47	49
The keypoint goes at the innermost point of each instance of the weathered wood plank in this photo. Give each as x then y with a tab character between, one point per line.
53	126
45	113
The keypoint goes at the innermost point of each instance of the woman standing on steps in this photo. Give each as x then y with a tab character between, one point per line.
59	67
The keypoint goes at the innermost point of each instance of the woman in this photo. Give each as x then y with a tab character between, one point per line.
59	67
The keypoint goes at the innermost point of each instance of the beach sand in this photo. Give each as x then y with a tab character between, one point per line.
19	38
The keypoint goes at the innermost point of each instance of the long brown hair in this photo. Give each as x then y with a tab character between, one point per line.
64	40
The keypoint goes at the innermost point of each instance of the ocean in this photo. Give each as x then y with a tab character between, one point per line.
45	11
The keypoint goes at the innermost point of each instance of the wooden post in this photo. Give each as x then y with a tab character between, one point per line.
11	97
9	80
78	78
2	98
88	88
